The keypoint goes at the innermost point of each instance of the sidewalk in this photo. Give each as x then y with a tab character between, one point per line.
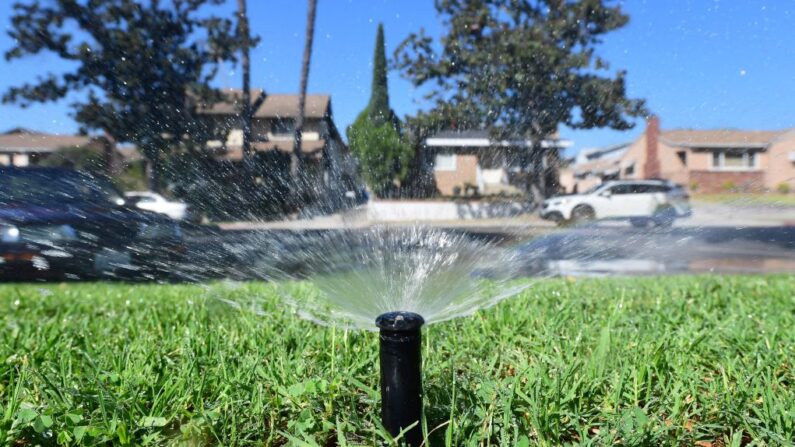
737	215
704	215
356	219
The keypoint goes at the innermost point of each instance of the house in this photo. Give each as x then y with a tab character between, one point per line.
472	162
327	166
708	161
593	166
23	147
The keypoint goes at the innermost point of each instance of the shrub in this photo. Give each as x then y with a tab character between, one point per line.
783	188
729	186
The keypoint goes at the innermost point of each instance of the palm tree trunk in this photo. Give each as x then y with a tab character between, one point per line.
295	160
242	23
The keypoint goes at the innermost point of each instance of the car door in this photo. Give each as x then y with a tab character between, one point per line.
641	200
626	200
610	202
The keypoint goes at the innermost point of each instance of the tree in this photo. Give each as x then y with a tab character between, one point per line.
521	68
375	137
144	67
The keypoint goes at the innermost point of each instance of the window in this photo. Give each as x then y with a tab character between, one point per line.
682	157
733	160
629	171
444	162
283	126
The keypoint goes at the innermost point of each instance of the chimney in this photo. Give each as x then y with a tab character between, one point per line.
652	167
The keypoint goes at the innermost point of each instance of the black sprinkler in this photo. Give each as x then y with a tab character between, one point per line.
401	380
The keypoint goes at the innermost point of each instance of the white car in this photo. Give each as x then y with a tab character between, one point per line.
153	201
641	201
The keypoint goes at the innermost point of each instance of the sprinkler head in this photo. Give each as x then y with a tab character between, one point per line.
399	321
401	378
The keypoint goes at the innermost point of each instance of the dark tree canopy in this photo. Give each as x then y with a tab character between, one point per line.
523	66
142	65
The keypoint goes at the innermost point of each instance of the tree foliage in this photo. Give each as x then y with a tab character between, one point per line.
522	66
375	137
383	154
143	66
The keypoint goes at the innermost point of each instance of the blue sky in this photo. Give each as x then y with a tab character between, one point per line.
699	63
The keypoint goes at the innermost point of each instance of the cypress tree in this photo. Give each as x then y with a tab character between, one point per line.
379	96
384	155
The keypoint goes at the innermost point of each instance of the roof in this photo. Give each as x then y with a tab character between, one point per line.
720	138
24	140
599	153
274	106
309	147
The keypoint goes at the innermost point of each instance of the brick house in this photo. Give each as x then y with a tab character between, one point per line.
327	166
471	162
707	161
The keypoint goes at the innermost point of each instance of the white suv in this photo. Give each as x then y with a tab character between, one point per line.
641	201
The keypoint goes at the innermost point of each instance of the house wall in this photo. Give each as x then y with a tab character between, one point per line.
781	170
261	129
635	154
671	167
465	173
703	178
712	182
566	179
699	160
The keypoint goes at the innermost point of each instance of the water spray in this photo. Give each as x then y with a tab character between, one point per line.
401	379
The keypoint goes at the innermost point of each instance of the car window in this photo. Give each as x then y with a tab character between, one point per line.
658	188
621	189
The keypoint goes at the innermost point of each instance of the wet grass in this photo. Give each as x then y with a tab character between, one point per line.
650	361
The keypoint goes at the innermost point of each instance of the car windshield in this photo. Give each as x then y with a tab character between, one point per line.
49	187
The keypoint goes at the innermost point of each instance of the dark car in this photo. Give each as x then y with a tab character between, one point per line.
65	223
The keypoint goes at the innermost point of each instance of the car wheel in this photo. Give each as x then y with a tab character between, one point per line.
557	218
582	213
639	222
664	222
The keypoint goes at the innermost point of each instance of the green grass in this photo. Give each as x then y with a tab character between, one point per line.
649	361
747	199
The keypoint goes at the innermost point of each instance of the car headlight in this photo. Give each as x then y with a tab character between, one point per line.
158	230
9	233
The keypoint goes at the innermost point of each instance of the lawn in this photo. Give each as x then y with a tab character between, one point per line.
640	361
747	199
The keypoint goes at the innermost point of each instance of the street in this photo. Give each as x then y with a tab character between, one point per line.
600	248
